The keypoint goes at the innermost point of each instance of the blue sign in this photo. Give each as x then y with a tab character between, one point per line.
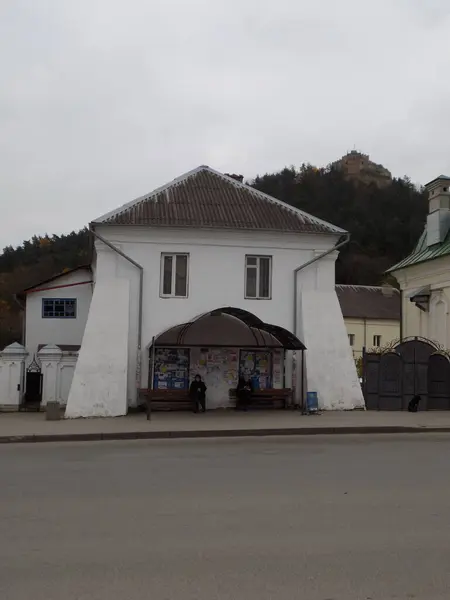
312	403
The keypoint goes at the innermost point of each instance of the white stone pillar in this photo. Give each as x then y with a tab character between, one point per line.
12	365
49	356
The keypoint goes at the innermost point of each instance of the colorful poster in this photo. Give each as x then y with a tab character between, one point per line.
171	368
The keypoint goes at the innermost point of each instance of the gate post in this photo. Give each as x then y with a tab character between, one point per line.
49	356
12	364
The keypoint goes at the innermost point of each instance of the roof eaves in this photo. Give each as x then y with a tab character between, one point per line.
332	229
57	276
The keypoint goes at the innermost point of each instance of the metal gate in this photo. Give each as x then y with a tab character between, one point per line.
33	387
413	367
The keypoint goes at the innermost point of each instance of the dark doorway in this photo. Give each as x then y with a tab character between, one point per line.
33	387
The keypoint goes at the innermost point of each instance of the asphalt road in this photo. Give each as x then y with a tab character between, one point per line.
320	518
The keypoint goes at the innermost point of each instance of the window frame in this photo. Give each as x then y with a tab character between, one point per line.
174	256
64	300
375	337
257	267
351	339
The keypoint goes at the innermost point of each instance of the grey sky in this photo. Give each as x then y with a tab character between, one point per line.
103	100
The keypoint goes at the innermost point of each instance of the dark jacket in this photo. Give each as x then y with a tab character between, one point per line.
197	387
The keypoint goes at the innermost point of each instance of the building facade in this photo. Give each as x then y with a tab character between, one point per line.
424	276
57	309
202	243
371	315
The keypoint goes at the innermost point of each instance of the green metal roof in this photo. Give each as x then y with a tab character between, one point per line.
422	252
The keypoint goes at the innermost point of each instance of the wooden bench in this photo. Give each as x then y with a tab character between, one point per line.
270	398
167	400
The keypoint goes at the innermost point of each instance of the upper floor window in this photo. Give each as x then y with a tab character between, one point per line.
59	308
258	277
174	275
377	341
351	339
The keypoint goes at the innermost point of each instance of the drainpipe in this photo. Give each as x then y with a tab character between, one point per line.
401	316
338	245
365	332
141	287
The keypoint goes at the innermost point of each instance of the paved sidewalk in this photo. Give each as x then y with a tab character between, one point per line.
33	427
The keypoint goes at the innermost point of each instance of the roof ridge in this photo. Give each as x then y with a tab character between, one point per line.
145	197
185	176
264	196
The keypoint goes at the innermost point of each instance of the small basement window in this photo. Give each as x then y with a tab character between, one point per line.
59	308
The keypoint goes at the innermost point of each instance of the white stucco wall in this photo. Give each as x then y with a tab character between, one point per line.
330	366
216	279
434	323
99	385
57	331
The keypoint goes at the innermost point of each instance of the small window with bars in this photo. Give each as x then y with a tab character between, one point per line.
59	308
258	277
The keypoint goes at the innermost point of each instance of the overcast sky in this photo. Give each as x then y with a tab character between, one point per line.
103	100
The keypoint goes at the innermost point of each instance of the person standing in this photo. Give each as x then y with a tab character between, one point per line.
197	392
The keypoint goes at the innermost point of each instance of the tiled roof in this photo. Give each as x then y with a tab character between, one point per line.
422	252
367	302
205	198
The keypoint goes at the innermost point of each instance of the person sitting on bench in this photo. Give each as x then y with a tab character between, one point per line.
243	393
197	392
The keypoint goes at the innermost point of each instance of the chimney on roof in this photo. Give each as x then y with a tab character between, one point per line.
387	290
239	178
438	220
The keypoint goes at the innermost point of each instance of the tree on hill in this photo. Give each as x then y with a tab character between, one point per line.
384	223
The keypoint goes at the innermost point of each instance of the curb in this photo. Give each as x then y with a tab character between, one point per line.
216	433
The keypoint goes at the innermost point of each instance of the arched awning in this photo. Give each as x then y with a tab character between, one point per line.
229	327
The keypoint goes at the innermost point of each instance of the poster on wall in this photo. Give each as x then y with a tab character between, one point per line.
277	367
257	366
171	369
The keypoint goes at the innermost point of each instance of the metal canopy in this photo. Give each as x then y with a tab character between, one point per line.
258	334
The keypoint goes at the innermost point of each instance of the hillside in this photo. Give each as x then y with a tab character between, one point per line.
385	222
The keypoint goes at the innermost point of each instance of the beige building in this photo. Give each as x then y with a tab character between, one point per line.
371	315
424	276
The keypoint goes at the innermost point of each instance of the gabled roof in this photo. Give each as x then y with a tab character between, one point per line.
21	295
206	198
422	252
369	302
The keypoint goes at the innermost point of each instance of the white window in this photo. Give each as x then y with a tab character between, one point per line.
174	275
377	341
351	339
258	277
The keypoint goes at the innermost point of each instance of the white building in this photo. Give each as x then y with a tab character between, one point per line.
207	275
56	311
424	275
200	243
